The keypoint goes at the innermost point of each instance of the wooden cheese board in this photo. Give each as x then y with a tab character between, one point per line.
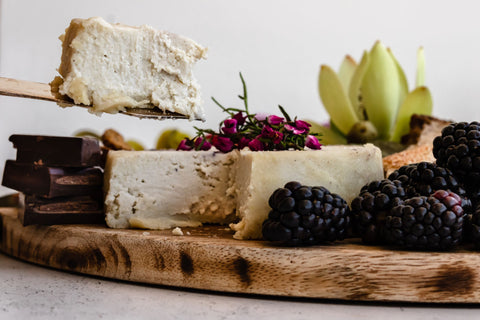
208	258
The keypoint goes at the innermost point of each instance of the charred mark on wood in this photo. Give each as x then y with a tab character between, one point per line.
73	259
78	259
22	248
113	254
99	257
241	266
453	278
126	259
186	263
159	262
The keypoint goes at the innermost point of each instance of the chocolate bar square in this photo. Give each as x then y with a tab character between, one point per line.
57	151
50	182
63	210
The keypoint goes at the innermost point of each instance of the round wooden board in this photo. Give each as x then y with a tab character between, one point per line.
208	258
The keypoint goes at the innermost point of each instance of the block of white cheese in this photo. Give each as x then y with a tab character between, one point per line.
341	169
113	66
165	189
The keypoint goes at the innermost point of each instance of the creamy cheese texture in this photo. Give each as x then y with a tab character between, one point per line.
165	189
113	66
340	169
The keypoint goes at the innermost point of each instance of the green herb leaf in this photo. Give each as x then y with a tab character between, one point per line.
285	114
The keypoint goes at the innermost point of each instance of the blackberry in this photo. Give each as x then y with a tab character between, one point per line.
370	207
424	178
432	223
458	149
472	233
303	215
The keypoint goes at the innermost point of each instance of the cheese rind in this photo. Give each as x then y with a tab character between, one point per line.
340	169
165	189
115	66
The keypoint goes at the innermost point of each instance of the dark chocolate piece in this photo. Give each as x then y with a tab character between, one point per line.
52	182
63	210
57	151
10	200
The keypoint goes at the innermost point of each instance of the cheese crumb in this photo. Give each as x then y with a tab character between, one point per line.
177	232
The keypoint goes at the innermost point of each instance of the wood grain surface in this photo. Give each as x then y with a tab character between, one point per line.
28	89
208	258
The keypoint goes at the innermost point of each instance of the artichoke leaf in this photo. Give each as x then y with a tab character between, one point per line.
328	135
402	80
334	128
420	80
346	71
354	86
418	101
381	90
335	100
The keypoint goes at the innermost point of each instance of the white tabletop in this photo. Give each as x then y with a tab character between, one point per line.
33	292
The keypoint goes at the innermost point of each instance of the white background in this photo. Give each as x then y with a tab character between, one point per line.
277	45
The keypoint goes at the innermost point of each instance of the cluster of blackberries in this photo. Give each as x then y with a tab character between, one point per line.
431	206
458	149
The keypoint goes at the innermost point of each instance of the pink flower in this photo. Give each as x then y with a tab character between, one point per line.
229	126
261	116
223	144
293	129
312	142
184	146
278	137
243	143
255	145
205	145
275	120
269	133
240	118
302	125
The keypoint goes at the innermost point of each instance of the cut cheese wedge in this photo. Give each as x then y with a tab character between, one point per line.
113	66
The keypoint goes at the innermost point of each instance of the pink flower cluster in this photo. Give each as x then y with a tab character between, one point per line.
256	132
